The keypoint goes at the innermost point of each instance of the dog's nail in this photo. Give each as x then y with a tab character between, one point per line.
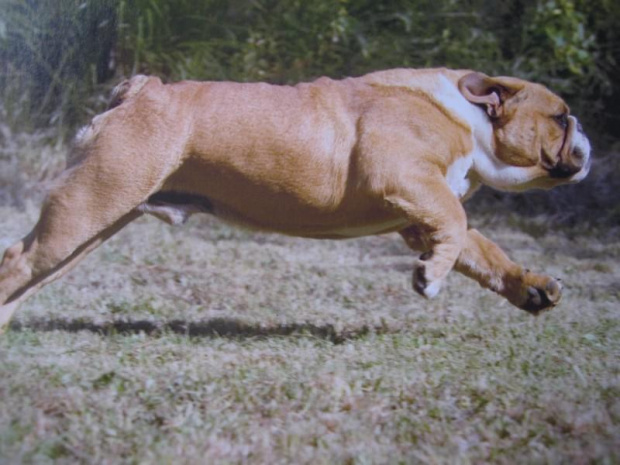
426	255
420	278
553	289
534	297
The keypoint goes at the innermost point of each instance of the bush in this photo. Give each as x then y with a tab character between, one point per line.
54	55
58	53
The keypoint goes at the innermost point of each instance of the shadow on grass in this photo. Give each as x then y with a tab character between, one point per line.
218	327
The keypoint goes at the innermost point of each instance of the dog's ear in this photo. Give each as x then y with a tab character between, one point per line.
481	89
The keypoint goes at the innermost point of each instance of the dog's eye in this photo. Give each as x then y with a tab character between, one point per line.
562	120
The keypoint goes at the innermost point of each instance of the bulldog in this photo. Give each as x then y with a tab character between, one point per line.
391	151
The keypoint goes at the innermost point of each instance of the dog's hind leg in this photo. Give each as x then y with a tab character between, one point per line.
31	264
120	160
91	201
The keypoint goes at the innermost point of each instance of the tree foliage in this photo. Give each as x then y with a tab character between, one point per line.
56	55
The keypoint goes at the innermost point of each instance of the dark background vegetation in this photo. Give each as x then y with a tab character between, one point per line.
59	59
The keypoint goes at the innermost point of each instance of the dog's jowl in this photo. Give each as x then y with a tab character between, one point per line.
396	150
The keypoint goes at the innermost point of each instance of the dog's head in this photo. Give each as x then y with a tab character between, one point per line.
536	141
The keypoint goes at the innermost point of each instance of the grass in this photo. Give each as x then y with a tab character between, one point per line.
208	343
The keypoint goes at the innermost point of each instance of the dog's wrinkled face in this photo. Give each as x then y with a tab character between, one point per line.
532	130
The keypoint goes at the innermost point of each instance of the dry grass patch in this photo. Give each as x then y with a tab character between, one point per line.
207	343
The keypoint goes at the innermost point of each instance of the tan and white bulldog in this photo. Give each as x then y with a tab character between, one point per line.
396	150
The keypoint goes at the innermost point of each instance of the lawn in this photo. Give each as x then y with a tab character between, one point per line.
209	344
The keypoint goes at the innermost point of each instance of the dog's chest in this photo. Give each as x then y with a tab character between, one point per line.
459	179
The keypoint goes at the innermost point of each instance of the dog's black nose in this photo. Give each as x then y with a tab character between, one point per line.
566	168
562	171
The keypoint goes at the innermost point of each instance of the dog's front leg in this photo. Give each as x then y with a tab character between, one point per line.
484	261
438	228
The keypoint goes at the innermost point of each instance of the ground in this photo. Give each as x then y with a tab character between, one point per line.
209	344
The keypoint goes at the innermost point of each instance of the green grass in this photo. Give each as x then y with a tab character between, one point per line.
212	344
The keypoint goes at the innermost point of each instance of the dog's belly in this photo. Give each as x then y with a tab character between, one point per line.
277	213
321	212
340	224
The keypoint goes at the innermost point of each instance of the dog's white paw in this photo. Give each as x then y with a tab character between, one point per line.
421	284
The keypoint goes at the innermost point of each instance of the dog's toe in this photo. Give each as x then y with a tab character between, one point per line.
541	299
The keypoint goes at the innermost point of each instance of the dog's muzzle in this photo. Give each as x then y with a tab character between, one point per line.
575	159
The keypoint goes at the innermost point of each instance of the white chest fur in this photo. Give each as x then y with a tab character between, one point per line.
459	179
481	164
460	174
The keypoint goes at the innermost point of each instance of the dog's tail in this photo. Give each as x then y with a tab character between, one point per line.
127	89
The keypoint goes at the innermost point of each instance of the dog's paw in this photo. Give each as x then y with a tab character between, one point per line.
421	284
541	296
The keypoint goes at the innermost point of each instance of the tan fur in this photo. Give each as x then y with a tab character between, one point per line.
327	159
